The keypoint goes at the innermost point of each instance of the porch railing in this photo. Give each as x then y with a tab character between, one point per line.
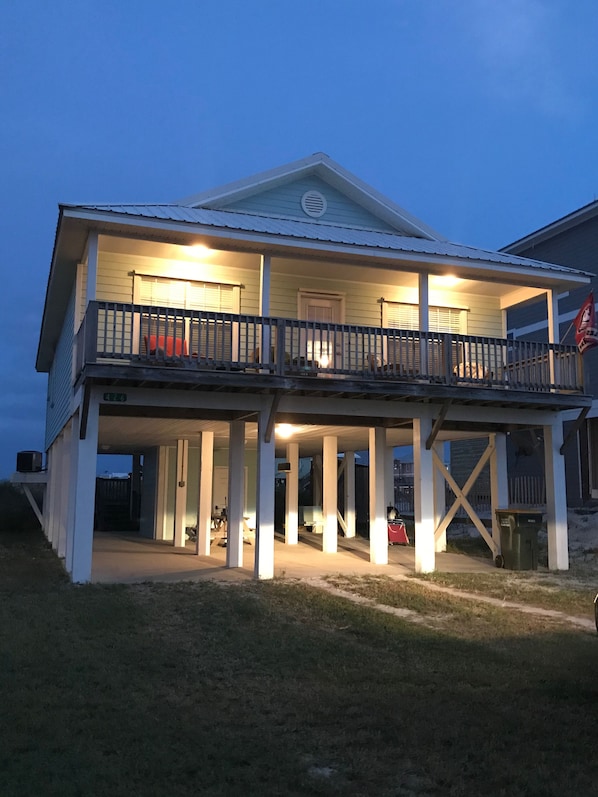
141	334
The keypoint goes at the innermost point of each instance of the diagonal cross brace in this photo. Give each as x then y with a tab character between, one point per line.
438	424
461	496
272	416
575	428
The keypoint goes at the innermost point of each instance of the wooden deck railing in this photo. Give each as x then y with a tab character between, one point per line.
141	334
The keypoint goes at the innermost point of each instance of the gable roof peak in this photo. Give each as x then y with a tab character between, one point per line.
323	166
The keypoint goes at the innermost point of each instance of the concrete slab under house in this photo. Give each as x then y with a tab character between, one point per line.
297	314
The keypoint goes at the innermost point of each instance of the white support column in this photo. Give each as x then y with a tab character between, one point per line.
236	494
66	456
291	526
552	306
264	298
439	500
206	478
424	319
317	479
330	494
264	306
350	493
82	498
423	494
264	532
499	482
180	494
92	267
378	522
51	505
389	477
552	302
556	497
161	494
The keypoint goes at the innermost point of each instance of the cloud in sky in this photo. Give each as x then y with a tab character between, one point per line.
446	106
517	44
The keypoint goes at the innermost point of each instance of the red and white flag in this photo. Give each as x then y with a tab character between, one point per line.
586	332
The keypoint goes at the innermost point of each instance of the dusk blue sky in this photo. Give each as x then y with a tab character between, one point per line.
478	116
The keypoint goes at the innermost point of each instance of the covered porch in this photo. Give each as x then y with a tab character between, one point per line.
130	558
185	436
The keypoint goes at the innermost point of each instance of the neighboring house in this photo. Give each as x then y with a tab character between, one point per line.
298	313
570	241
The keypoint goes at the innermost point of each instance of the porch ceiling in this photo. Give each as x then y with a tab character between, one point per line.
131	434
394	274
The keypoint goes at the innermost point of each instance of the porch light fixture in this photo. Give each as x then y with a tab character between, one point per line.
446	280
284	430
200	250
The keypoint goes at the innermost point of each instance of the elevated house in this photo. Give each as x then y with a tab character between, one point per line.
297	313
571	241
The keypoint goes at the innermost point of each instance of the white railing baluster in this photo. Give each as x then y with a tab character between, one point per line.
195	338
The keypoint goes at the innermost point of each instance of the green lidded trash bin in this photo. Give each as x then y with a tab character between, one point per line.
518	538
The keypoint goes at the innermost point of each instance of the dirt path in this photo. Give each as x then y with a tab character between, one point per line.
414	617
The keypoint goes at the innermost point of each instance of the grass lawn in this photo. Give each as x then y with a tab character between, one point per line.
282	689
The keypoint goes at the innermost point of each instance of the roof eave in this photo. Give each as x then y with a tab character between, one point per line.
276	243
579	216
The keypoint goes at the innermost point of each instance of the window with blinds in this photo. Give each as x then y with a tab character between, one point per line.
396	315
186	295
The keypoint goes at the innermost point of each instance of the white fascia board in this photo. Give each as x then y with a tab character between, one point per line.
376	202
150	397
272	242
320	407
506	415
325	406
572	415
239	189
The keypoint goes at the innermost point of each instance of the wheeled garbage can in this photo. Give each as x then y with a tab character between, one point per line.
518	538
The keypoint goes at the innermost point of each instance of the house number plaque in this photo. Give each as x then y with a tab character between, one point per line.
115	396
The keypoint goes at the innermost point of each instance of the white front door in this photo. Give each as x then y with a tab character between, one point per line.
326	310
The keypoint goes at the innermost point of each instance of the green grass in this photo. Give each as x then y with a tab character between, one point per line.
282	689
564	593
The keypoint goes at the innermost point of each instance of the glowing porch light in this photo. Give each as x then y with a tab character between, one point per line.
446	280
284	430
200	250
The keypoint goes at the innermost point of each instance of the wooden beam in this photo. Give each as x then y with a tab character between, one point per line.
574	429
438	424
272	416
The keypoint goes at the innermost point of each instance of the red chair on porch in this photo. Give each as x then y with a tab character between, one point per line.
165	345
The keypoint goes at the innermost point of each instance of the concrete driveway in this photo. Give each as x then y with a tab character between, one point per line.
129	558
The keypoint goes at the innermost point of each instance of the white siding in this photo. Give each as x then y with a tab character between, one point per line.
115	276
363	306
60	378
362	299
285	200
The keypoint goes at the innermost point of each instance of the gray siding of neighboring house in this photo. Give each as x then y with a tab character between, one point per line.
60	378
577	248
285	200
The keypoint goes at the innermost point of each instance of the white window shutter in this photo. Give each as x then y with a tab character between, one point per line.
162	292
441	319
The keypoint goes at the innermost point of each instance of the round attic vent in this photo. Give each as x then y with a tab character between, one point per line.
314	204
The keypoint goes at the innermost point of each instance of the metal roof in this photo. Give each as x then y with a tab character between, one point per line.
318	232
322	166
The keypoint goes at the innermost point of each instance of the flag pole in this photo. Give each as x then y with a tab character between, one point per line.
567	332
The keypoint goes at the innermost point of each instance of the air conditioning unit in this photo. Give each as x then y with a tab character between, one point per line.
29	461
